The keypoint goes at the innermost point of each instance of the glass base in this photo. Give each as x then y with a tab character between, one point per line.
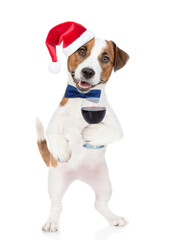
85	145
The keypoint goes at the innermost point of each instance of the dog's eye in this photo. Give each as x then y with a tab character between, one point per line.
82	51
105	59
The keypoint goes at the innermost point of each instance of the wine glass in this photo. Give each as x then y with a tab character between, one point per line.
93	111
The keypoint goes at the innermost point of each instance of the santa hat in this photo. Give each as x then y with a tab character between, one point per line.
73	35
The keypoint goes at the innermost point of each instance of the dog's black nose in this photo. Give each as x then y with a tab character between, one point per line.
88	73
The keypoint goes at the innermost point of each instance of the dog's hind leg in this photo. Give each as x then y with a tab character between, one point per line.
99	181
58	182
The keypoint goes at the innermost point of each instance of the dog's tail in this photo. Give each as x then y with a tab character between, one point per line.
42	145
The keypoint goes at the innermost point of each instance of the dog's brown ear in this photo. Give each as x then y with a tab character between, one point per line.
120	58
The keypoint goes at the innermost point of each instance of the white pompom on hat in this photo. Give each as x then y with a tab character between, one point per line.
54	67
73	35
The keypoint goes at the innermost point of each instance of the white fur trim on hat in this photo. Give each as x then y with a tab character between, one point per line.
54	67
84	38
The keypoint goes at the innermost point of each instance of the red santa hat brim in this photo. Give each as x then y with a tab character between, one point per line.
84	38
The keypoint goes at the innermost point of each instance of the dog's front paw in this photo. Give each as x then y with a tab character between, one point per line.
92	134
60	150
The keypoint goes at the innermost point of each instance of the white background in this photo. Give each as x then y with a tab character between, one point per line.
147	168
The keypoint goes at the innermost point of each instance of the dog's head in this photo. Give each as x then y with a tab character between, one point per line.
92	64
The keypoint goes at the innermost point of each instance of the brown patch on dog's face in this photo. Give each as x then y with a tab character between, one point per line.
111	57
80	55
106	60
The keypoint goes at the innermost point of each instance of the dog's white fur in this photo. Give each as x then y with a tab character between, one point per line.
66	133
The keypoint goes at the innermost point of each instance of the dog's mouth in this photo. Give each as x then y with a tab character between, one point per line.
83	86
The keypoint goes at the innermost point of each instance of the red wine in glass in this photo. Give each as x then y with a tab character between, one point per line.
93	112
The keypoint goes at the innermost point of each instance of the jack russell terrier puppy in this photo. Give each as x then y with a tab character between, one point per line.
89	66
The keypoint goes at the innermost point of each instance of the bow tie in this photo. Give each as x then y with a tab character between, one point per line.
72	92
